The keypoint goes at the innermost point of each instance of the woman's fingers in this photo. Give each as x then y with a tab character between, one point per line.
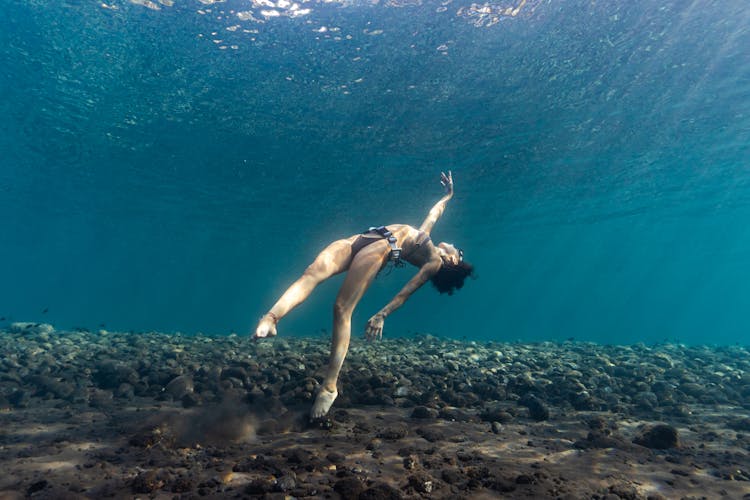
373	332
446	180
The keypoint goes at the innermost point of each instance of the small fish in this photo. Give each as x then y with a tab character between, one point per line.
2	319
102	325
45	310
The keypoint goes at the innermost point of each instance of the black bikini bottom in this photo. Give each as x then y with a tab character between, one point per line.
362	241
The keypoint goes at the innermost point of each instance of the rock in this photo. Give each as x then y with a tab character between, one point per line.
234	372
401	392
624	492
190	400
286	482
125	391
597	423
583	401
456	415
646	400
381	492
19	398
431	434
48	386
524	479
181	484
496	415
451	476
659	437
496	427
394	432
504	417
740	424
260	486
692	389
597	439
99	398
537	409
37	486
146	482
678	410
374	444
424	412
179	387
502	485
349	487
31	328
422	483
109	374
336	458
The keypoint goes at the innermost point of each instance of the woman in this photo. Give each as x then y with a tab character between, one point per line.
363	255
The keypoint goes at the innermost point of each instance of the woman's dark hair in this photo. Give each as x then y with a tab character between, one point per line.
451	277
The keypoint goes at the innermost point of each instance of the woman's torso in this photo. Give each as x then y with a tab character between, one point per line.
416	246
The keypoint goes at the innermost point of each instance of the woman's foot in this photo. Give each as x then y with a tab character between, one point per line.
266	327
323	402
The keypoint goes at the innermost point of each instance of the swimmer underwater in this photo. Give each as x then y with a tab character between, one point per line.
363	256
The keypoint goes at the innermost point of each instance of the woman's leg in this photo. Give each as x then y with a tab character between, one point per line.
362	272
334	259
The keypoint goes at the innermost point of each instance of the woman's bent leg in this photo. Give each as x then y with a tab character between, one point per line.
362	272
334	259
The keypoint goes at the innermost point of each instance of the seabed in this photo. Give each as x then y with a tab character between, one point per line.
105	414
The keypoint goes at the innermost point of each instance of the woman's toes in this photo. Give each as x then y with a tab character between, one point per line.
323	402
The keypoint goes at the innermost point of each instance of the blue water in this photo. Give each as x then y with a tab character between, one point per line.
176	167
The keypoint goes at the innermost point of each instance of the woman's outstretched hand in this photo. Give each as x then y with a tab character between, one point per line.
374	330
447	182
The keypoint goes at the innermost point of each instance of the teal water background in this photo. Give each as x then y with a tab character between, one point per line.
175	167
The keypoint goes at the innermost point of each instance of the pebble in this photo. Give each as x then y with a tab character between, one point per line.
381	491
422	412
147	482
660	437
349	487
394	432
422	483
125	391
27	328
179	387
646	400
537	409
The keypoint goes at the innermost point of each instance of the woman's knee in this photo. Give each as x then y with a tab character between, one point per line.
312	276
342	310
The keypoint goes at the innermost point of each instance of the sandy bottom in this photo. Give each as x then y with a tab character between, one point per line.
85	415
165	451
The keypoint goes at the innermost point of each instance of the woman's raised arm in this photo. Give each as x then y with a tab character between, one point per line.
437	210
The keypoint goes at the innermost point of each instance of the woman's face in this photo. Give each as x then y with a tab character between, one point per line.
449	253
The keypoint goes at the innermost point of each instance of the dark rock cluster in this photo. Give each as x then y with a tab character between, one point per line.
438	378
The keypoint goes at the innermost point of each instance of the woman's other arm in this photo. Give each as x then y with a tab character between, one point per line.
437	210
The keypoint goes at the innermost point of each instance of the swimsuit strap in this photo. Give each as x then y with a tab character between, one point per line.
395	255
